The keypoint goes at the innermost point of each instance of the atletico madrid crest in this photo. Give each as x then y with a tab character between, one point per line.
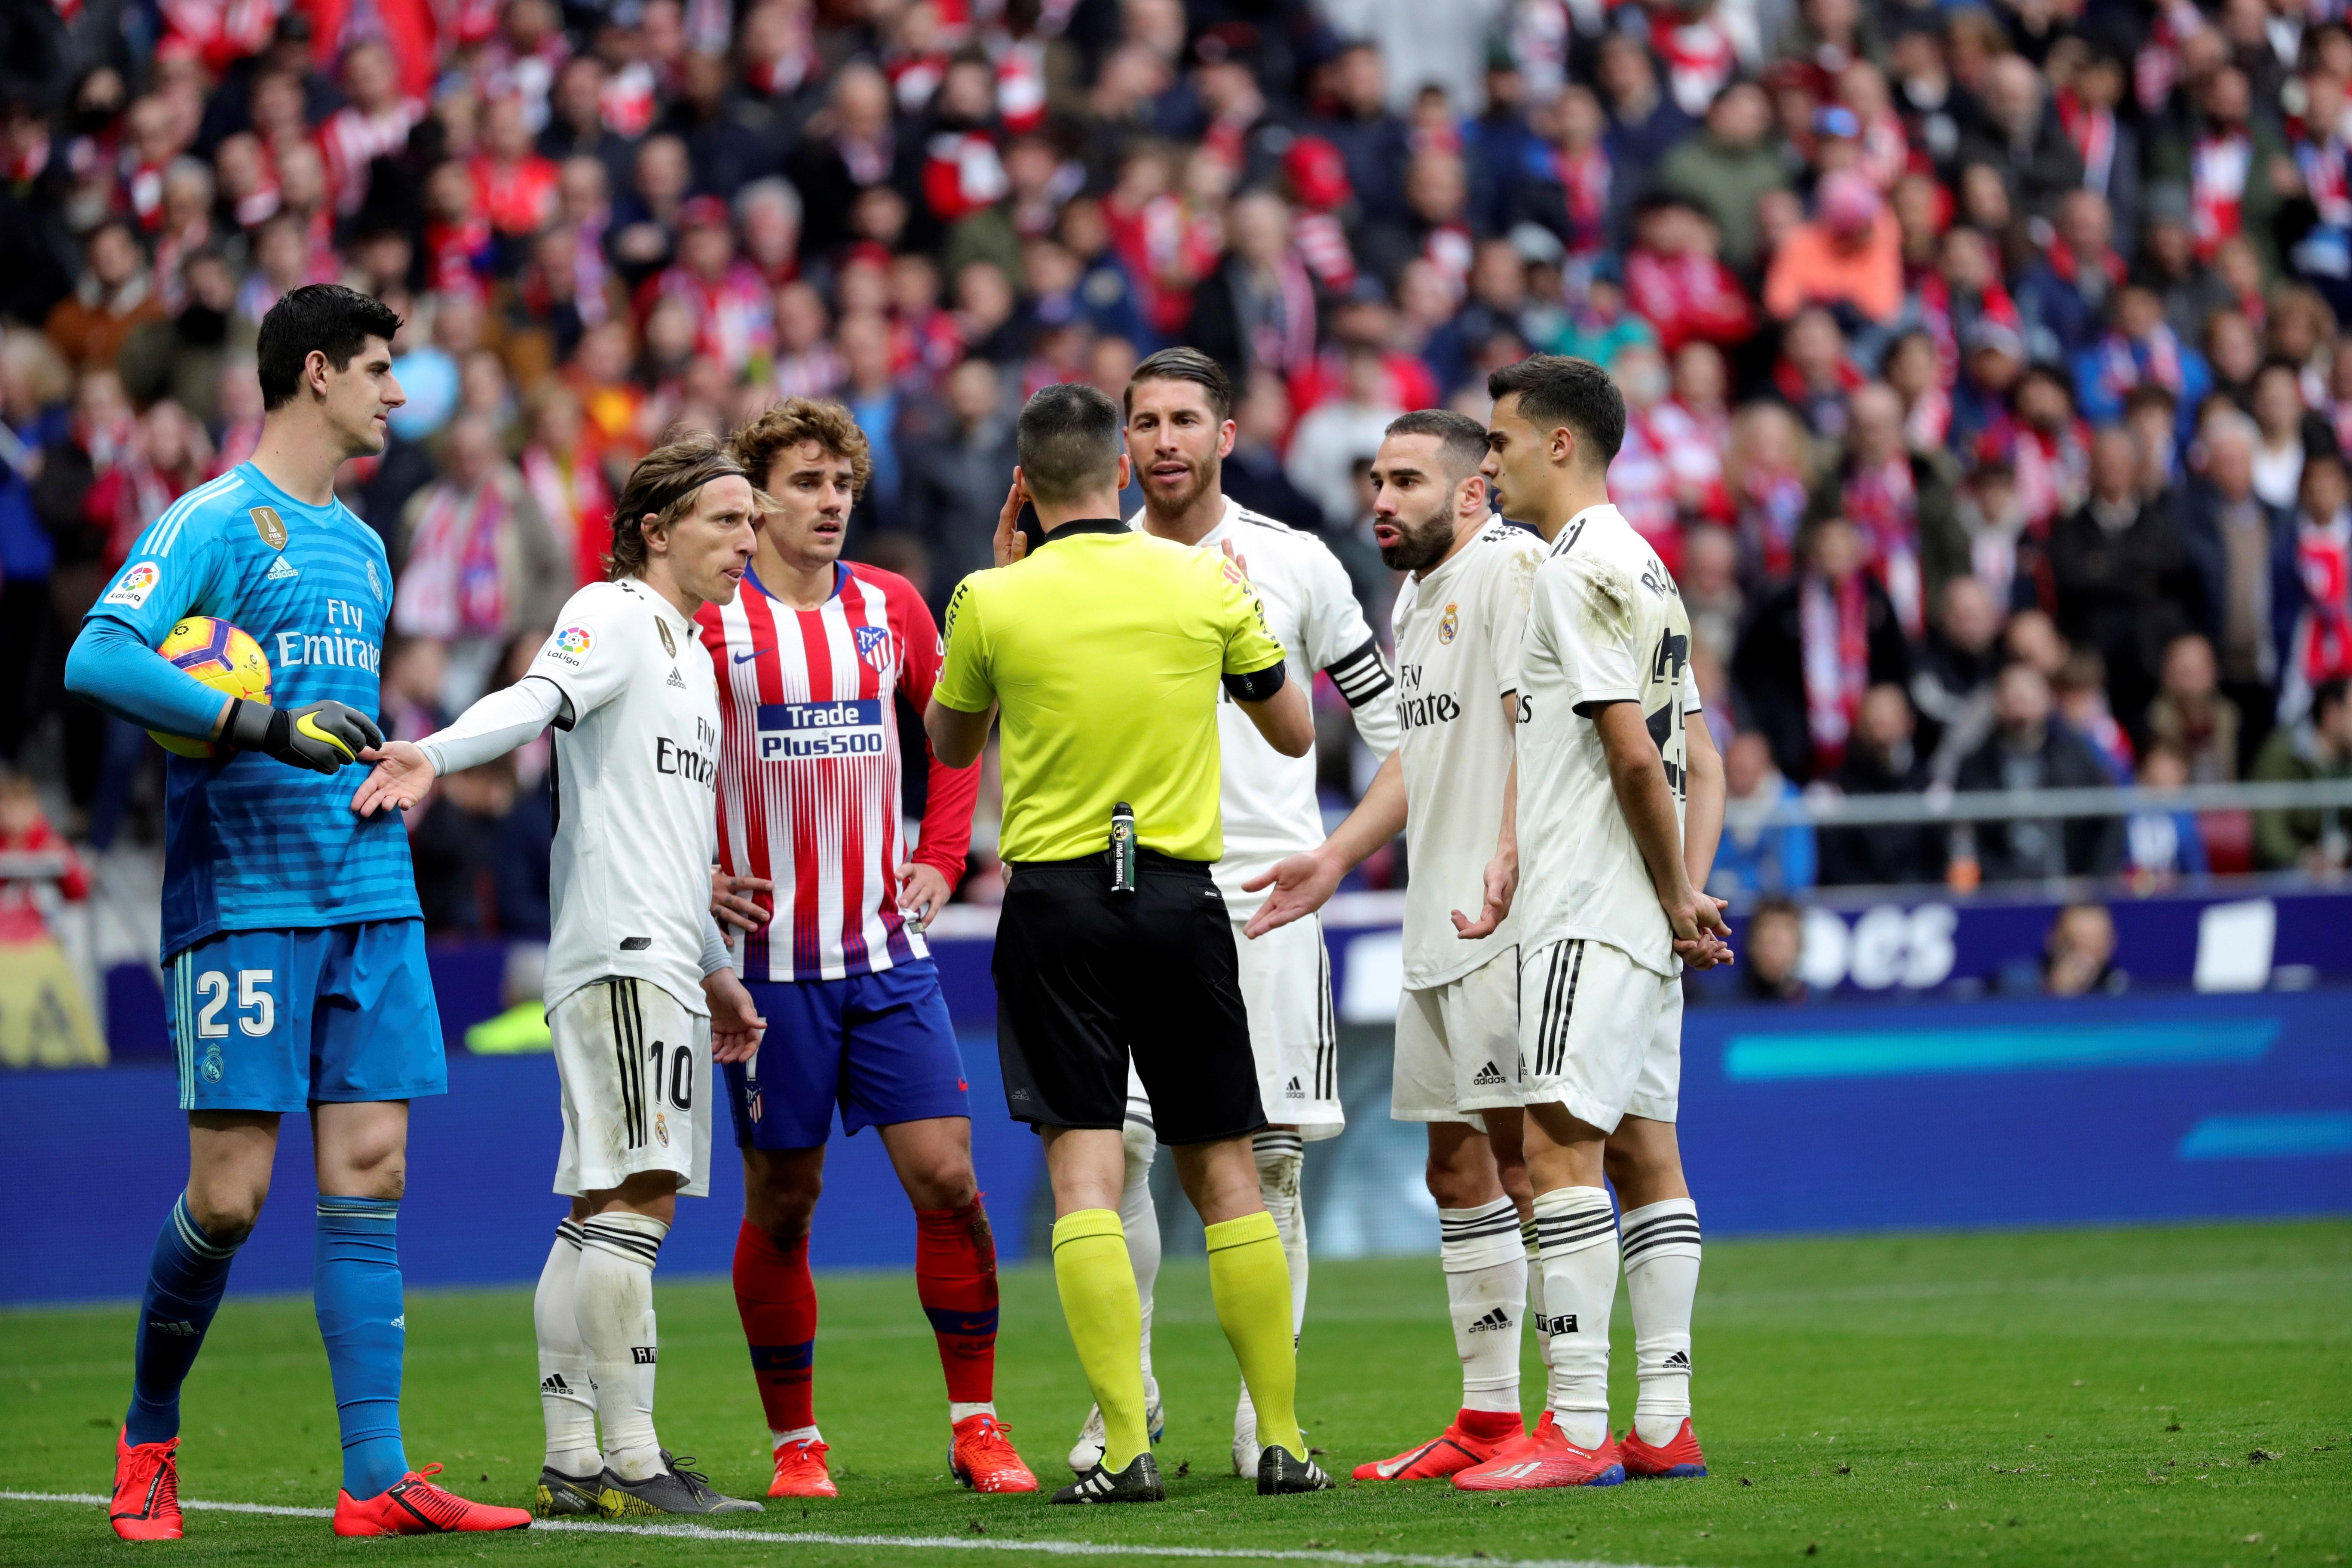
874	646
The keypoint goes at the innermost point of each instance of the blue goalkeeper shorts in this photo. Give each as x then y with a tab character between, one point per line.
283	1019
881	1046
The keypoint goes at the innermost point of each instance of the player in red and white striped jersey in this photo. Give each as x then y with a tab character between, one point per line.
811	658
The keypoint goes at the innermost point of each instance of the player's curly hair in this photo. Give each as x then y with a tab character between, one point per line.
797	419
662	488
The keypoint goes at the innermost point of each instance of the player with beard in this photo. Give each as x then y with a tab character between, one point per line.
1179	427
1449	788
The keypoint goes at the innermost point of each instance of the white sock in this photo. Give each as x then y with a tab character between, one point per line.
615	1305
1662	1247
1578	1233
1281	1155
1485	1268
1534	1290
1141	1219
776	1440
964	1412
567	1390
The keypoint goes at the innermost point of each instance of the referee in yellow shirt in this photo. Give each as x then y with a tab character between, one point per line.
1105	650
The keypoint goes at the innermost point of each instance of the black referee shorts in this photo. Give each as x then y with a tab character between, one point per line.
1084	975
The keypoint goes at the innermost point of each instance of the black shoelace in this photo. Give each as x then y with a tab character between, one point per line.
697	1482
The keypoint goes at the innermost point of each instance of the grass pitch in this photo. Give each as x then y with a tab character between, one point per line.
2138	1396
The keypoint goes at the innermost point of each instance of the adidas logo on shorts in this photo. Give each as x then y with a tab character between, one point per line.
1292	1091
1494	1319
1489	1075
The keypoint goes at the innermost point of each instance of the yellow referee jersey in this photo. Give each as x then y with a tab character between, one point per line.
1104	648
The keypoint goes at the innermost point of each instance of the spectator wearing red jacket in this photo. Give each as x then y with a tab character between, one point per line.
1675	281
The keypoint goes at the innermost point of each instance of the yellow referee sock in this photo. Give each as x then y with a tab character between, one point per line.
1106	1319
1250	1280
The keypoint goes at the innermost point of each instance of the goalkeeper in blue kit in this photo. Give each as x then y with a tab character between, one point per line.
293	943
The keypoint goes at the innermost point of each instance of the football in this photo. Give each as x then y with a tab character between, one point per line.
224	658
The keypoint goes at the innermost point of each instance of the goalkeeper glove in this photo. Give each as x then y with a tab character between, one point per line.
320	736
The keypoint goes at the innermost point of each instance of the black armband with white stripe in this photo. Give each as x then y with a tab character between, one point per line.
1259	685
1360	676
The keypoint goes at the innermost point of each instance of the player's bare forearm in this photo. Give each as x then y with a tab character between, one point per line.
1304	883
1286	720
1500	885
957	737
1703	800
1638	775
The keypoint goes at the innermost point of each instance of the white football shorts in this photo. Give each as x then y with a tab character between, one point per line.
1294	1032
635	1070
1457	1046
1599	1034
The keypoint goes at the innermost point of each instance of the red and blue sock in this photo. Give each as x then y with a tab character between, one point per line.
955	1277
776	1297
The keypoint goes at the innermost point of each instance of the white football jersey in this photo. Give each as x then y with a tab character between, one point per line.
637	823
1268	799
1605	624
1458	642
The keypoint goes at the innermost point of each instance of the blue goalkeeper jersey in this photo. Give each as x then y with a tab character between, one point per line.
251	842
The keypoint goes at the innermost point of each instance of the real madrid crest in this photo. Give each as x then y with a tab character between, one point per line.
1449	623
669	643
270	526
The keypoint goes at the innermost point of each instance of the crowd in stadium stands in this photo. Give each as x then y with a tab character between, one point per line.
1987	390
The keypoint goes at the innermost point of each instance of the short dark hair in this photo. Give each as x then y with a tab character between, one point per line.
1070	442
1556	390
325	317
2329	693
1184	365
1461	440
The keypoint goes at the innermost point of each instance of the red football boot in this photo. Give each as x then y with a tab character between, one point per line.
983	1457
1677	1459
415	1506
1544	1458
146	1489
1453	1449
801	1472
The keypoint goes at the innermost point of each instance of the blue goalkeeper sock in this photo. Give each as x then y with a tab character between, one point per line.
185	1278
355	1287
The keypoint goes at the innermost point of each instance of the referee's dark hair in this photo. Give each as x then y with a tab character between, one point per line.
1069	442
335	320
1461	440
1184	365
1556	390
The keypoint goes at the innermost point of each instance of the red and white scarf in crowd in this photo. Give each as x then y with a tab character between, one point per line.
1929	421
2092	131
1883	503
734	318
2157	68
2324	165
961	174
1322	244
223	31
1771	508
1834	629
573	496
626	99
1584	185
2053	471
1699	58
452	586
2218	170
2323	633
1021	85
352	139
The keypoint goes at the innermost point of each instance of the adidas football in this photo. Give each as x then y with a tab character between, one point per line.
224	659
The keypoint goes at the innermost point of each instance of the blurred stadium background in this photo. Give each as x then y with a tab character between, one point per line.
1988	394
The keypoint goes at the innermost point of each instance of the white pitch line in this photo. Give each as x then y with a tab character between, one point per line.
926	1543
